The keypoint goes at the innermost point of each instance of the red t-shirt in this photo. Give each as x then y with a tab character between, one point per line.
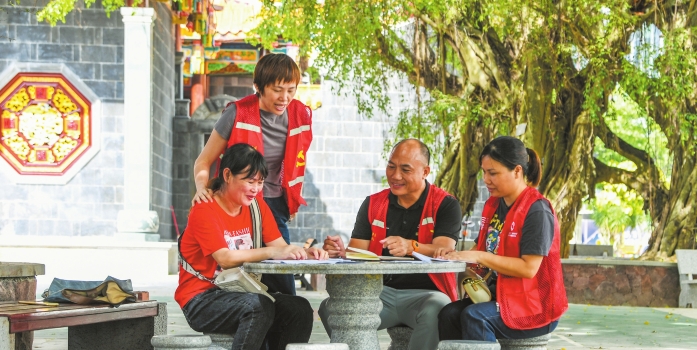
209	229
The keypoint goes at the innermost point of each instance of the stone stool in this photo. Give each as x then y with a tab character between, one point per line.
220	341
468	345
400	337
332	346
536	343
184	341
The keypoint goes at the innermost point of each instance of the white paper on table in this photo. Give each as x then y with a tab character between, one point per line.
425	258
307	262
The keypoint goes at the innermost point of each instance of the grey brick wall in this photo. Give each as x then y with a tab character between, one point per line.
237	86
344	165
188	143
163	114
85	206
476	217
89	43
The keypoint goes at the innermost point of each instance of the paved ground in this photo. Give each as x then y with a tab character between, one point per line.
582	327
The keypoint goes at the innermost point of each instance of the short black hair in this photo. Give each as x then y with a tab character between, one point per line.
240	158
274	68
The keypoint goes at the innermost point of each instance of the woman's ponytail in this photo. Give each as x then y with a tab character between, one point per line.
511	152
215	184
534	171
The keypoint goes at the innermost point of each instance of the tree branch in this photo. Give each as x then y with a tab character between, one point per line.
479	64
617	144
423	17
647	179
612	175
649	92
389	57
429	73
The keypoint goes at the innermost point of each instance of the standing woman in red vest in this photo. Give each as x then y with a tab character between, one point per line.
518	240
279	127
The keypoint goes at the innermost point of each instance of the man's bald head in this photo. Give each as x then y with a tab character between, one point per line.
407	170
424	153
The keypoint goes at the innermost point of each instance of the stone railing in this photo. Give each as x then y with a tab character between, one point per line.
18	282
599	281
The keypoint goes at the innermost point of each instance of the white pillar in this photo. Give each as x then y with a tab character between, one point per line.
137	221
7	340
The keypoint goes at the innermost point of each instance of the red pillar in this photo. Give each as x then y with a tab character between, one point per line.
197	92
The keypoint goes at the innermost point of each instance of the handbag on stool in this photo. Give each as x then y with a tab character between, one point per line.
473	286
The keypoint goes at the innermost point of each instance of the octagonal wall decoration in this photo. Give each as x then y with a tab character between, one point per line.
47	125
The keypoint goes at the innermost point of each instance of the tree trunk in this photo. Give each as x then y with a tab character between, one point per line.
677	225
677	229
460	167
565	183
562	134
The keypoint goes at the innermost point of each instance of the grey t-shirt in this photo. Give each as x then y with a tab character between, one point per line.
274	130
537	232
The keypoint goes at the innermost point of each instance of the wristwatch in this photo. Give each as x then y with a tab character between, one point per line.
415	245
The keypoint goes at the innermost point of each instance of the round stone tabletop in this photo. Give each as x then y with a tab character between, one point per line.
357	268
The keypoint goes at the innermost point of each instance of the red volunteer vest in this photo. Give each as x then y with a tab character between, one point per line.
526	303
377	216
247	129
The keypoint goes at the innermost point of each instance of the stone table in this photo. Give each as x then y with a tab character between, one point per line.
354	293
18	282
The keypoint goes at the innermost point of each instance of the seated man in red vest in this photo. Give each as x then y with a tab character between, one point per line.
411	216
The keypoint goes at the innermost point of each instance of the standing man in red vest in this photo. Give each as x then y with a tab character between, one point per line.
411	216
279	127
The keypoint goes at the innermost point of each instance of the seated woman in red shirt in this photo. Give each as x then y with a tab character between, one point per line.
220	236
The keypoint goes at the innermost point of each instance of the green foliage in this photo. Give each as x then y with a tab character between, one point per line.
615	206
615	209
362	44
56	10
566	68
632	124
342	46
314	74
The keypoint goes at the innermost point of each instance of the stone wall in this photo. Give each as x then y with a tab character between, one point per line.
19	288
237	86
89	43
18	282
87	205
344	165
345	162
162	115
621	282
184	152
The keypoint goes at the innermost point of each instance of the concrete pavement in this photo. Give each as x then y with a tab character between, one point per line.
582	327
